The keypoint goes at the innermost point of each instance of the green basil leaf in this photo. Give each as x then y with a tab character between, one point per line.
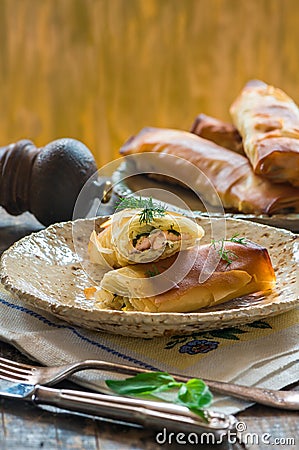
143	384
195	394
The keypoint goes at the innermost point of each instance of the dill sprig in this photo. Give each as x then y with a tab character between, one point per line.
227	255
238	240
150	210
153	272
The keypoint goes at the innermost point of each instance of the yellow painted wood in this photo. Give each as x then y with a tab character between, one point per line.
99	70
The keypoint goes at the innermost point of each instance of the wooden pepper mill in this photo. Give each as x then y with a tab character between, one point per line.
44	181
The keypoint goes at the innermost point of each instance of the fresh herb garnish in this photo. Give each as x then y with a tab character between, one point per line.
194	394
131	202
152	272
238	240
150	210
227	255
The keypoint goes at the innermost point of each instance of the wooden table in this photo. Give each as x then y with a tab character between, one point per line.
24	426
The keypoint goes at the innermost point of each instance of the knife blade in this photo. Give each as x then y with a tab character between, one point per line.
143	412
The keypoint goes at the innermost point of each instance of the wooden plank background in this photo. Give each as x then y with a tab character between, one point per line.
99	70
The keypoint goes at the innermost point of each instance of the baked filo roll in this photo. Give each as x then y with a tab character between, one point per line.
230	173
268	121
129	288
222	133
128	239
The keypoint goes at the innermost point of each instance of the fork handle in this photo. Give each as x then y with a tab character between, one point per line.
276	399
144	412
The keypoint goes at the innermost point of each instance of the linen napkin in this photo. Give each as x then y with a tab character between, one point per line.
263	353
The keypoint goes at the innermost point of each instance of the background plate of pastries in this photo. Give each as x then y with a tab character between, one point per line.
253	162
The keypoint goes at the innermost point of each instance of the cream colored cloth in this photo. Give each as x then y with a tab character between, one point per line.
264	353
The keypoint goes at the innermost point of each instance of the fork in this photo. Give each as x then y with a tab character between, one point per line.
13	371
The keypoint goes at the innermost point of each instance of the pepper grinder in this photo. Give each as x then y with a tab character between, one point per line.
44	181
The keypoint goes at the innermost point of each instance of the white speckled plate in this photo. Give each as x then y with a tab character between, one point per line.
124	185
44	270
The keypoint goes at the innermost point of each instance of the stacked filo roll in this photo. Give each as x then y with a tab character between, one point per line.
265	130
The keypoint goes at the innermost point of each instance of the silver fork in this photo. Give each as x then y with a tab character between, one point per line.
13	371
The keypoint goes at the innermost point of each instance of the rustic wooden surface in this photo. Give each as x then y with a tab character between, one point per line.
100	70
24	426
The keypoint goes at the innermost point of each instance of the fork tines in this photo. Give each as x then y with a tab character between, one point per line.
13	371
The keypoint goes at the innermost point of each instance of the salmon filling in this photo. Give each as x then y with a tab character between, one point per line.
157	239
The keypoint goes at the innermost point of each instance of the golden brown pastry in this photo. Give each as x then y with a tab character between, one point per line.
221	133
127	239
230	173
268	121
243	269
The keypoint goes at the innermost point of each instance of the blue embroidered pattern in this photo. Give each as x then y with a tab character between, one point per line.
203	341
77	333
198	346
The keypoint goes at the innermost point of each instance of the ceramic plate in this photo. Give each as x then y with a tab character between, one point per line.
124	185
46	270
